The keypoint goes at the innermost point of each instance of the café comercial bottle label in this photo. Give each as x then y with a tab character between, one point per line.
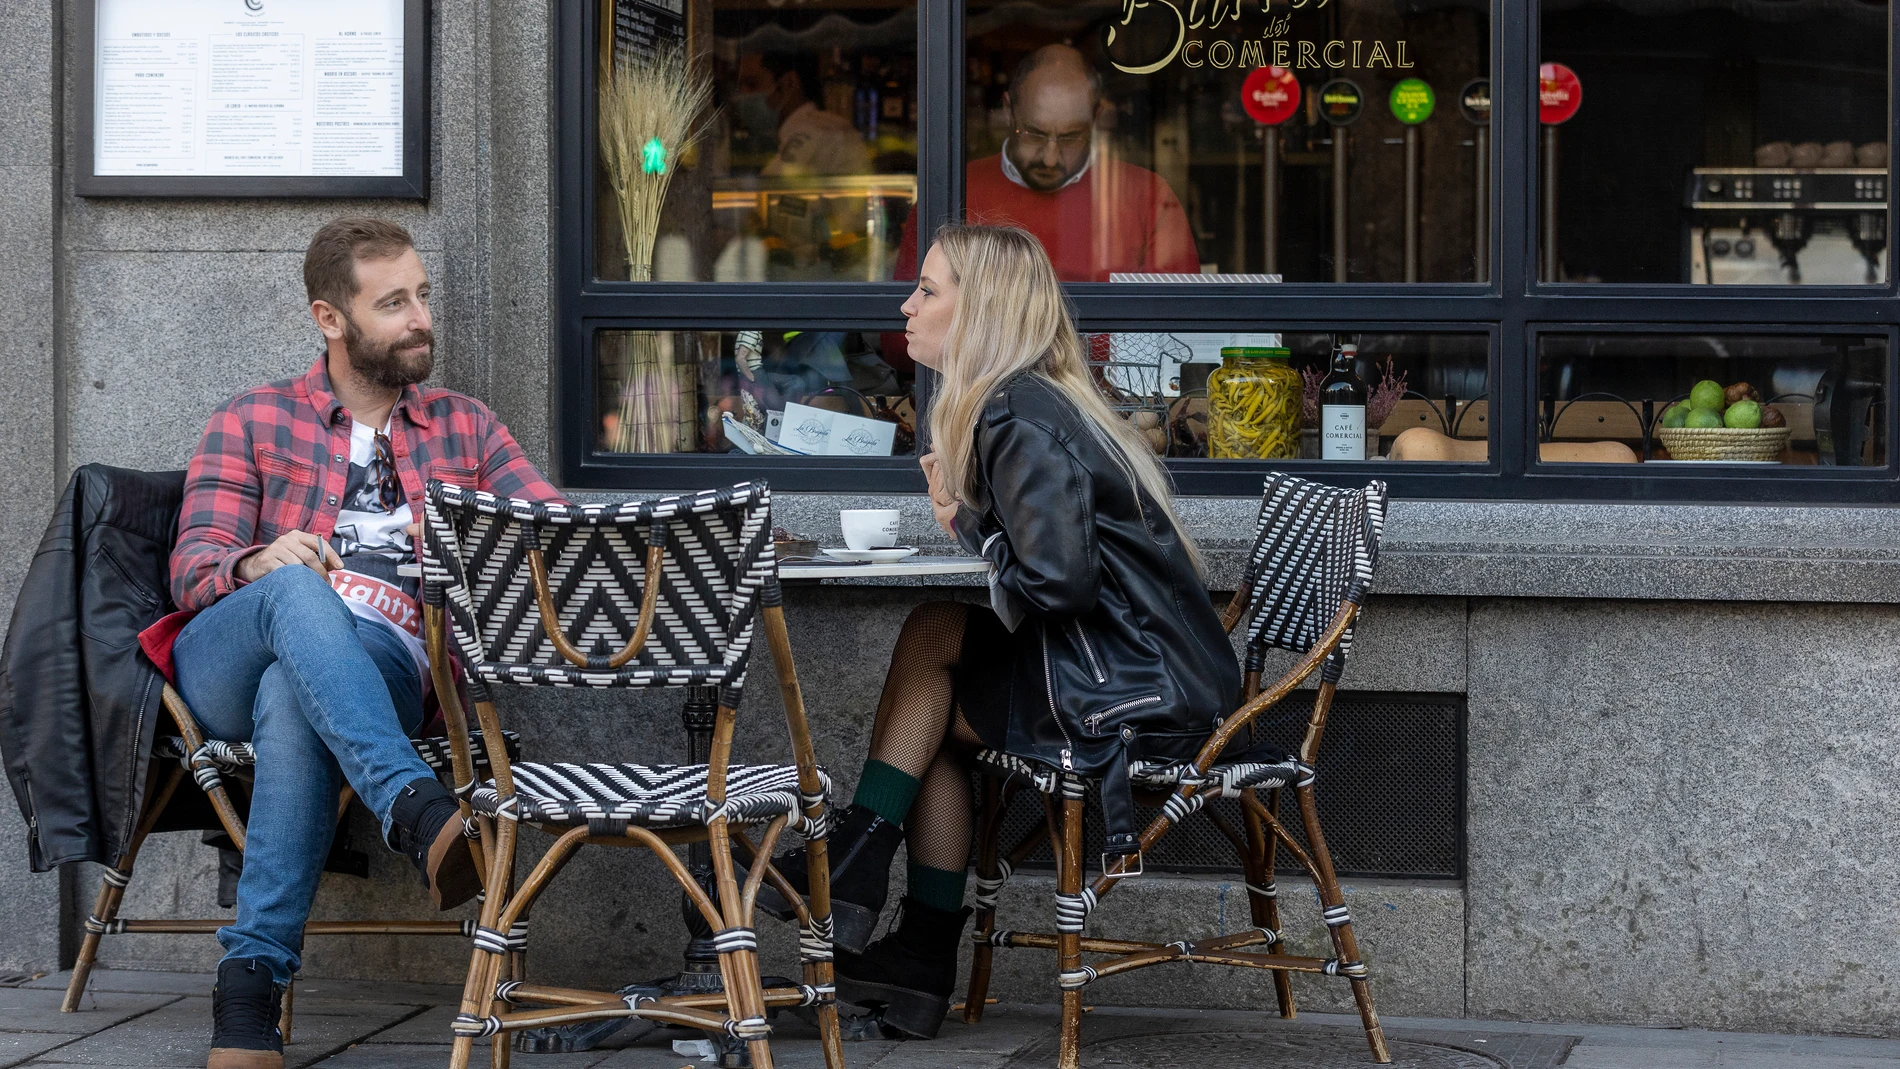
1342	432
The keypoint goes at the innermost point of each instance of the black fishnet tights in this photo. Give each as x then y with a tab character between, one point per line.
920	732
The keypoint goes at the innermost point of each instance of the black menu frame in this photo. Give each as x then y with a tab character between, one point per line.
413	184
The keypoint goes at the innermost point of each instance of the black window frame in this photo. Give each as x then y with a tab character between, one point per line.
1512	309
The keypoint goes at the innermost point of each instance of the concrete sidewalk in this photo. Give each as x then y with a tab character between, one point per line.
163	1020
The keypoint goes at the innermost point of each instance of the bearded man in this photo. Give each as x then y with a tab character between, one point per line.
300	506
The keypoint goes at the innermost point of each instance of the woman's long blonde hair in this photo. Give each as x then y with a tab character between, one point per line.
1011	317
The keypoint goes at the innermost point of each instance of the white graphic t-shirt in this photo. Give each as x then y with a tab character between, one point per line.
373	541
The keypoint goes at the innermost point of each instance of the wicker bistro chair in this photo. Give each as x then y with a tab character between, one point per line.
216	767
1304	585
660	593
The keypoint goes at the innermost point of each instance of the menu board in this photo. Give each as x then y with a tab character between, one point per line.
643	27
190	92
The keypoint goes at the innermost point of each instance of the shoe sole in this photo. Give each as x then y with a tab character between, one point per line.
240	1058
452	876
852	926
918	1014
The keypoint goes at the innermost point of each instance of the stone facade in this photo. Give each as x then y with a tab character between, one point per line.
1680	737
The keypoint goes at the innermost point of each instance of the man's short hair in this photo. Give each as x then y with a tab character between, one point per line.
1047	54
329	265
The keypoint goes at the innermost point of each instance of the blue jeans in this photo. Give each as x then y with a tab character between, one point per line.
324	696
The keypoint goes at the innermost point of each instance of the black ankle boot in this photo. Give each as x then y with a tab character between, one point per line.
859	849
910	972
245	1007
424	828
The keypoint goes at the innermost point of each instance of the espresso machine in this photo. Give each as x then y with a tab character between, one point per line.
1818	226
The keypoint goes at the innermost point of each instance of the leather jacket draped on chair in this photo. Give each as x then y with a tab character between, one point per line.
1120	653
79	703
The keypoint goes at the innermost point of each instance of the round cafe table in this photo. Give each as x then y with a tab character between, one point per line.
699	969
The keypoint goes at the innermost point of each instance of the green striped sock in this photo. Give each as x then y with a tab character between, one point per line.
886	790
936	888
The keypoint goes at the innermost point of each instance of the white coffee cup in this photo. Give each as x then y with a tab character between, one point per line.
869	528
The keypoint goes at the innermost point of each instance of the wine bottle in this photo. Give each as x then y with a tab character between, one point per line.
1342	407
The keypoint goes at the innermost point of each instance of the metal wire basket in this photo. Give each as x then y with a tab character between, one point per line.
1128	370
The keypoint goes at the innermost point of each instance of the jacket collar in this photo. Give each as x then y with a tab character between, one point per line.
316	386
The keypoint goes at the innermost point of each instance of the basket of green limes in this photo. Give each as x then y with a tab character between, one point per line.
1723	423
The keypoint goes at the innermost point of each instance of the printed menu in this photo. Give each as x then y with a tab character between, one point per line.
248	87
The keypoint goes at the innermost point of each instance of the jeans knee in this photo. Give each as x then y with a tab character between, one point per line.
303	594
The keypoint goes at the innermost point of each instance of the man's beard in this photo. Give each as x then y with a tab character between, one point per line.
382	365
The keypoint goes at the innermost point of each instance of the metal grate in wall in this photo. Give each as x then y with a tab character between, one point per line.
1390	793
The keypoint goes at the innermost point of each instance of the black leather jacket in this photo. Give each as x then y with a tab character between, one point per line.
1120	653
79	702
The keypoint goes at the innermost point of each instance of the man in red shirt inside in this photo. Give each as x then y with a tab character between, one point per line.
301	508
1095	214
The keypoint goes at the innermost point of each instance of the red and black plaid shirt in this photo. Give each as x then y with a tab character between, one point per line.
276	458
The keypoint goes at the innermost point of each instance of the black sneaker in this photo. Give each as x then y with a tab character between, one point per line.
245	1008
425	827
909	974
859	849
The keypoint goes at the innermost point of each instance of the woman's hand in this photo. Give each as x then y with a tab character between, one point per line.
943	501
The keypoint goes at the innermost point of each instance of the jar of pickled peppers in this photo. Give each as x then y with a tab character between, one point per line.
1253	406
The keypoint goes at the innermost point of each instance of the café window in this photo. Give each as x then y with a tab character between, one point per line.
1715	144
743	141
1309	142
1713	399
1239	396
746	186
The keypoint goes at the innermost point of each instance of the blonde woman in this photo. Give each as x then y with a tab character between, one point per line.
1100	644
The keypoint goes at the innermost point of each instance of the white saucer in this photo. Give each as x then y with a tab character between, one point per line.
875	556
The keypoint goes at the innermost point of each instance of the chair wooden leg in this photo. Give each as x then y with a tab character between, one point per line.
1069	944
1265	908
478	988
1340	924
983	955
159	788
745	999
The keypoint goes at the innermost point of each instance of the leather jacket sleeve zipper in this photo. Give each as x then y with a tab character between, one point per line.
1049	680
1093	722
1082	639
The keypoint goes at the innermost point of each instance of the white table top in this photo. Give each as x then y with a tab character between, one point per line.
907	566
813	570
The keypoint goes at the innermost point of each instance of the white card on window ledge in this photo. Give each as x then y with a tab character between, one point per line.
822	432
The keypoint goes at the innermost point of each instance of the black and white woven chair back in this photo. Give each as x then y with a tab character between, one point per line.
717	570
1314	549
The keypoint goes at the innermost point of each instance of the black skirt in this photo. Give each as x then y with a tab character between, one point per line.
983	676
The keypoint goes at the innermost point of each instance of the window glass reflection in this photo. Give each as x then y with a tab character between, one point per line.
1713	399
804	163
1310	142
1725	143
756	392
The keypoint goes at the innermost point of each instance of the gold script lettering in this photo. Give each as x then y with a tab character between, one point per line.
1129	7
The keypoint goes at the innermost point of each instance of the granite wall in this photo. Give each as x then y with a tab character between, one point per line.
124	321
1676	808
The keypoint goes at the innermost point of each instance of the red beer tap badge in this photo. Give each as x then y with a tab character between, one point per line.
1271	95
1559	93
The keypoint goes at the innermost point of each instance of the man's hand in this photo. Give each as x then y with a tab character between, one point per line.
295	547
943	501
